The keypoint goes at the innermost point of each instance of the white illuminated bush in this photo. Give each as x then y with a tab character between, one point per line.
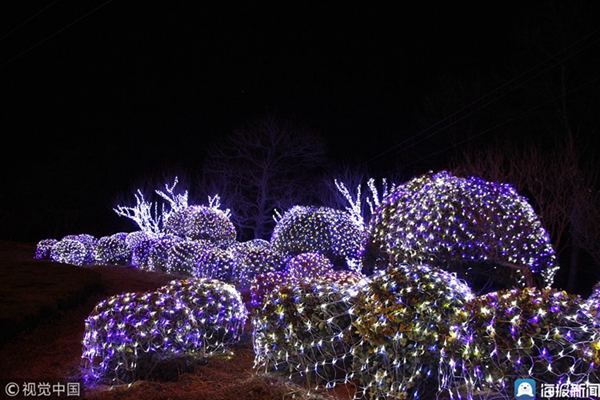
308	229
43	249
69	251
200	222
407	318
444	220
303	328
113	250
126	335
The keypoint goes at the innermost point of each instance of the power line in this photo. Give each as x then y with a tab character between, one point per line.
393	148
503	123
28	19
55	33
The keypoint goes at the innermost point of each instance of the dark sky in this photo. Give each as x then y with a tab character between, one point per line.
97	93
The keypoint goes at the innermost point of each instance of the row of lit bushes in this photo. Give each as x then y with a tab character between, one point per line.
411	330
418	332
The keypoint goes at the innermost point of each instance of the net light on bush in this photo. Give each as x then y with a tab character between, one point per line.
443	219
127	334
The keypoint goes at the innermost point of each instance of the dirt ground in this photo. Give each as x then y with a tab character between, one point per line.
44	306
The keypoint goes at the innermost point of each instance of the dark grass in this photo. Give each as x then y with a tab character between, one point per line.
34	291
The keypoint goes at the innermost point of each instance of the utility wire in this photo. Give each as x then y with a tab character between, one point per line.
54	34
29	19
503	123
393	148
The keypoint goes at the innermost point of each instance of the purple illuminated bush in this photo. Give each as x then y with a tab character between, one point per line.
253	258
126	335
43	249
200	222
308	266
140	254
183	256
159	252
215	263
444	220
309	229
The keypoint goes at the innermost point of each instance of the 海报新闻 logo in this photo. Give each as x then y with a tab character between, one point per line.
525	389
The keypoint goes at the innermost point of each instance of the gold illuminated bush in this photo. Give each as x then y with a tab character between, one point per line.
407	318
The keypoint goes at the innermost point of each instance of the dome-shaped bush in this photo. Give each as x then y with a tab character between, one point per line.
444	220
215	263
44	248
183	256
159	252
324	230
254	257
126	335
406	318
304	329
90	242
69	251
140	254
113	250
200	222
546	335
308	266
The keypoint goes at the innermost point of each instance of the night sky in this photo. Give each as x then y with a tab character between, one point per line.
98	94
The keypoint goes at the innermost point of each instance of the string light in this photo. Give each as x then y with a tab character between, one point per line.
440	219
127	334
309	229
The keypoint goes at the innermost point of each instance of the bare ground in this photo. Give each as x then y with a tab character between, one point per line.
43	306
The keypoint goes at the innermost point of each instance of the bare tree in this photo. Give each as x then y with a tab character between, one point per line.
265	165
563	193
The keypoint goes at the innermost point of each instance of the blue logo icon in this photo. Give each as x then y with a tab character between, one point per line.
525	389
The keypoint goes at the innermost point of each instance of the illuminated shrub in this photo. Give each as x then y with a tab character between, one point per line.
253	258
133	238
307	266
159	252
126	335
113	250
407	318
183	256
69	251
44	248
269	282
440	219
593	301
305	330
89	242
546	335
215	263
310	229
200	222
140	254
